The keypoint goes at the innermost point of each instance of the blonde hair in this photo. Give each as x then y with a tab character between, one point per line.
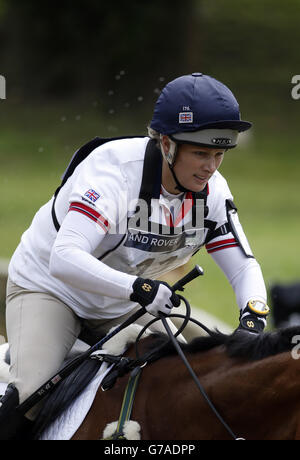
170	156
154	134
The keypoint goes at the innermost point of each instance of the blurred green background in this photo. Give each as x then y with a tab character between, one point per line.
80	69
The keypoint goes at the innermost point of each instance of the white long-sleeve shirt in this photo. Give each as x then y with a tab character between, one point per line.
94	258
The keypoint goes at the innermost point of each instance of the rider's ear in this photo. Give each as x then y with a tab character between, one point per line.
165	143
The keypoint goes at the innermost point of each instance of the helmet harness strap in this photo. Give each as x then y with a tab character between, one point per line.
178	184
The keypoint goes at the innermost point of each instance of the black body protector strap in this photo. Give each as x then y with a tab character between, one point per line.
152	170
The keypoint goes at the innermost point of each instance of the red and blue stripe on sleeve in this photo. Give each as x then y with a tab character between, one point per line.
222	244
91	214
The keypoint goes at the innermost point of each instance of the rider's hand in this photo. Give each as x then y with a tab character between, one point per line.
253	317
155	296
252	324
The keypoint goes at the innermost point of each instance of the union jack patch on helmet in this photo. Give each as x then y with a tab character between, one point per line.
186	117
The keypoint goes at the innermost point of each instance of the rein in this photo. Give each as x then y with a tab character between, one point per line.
172	337
194	376
142	361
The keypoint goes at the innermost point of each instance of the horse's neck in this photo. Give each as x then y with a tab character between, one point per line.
260	399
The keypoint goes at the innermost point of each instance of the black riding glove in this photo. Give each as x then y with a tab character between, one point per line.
253	317
155	296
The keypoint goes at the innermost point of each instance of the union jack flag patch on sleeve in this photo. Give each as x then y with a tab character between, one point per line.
92	195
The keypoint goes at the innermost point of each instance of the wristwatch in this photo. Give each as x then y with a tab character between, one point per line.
253	317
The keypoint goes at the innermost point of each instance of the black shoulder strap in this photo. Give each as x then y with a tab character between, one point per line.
220	231
151	180
199	196
77	158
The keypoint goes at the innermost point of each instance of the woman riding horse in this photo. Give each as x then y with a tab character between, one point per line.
127	211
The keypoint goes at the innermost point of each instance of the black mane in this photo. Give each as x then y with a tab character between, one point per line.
251	347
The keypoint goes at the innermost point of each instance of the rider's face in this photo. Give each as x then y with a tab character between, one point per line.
195	165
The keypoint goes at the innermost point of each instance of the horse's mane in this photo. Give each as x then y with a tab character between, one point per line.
241	344
237	345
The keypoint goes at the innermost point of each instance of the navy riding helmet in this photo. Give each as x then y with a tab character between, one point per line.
199	109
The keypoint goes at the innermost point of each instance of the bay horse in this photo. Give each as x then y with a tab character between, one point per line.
252	380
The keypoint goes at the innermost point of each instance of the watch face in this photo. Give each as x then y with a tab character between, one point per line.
259	307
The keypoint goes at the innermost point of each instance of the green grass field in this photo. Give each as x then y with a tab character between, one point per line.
263	174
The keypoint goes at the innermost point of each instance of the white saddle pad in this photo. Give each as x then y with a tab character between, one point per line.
66	425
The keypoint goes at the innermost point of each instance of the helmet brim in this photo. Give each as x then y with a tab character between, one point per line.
236	125
209	137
